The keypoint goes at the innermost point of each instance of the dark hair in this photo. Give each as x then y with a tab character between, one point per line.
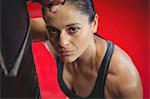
85	6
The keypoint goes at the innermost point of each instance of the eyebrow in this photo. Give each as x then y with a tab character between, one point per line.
66	25
49	27
73	24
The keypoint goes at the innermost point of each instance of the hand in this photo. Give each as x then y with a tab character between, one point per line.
55	5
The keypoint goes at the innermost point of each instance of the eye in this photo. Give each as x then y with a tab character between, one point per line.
73	29
53	31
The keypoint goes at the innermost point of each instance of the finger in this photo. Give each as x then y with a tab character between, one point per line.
56	2
55	8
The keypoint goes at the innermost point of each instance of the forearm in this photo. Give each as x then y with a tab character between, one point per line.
49	2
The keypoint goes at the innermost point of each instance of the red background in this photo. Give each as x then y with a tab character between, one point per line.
125	22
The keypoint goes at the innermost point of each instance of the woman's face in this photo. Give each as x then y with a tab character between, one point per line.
69	32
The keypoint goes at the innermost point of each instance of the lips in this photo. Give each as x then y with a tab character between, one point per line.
66	53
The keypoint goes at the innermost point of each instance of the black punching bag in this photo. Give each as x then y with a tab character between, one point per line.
14	29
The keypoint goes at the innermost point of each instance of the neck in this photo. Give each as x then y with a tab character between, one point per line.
88	57
91	58
87	61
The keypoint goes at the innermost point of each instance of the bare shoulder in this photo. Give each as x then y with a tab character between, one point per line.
123	79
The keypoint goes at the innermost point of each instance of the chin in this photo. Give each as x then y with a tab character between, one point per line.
68	59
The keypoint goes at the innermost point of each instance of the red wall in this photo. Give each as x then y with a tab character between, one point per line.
125	22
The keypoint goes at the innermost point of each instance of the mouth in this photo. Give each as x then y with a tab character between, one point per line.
66	53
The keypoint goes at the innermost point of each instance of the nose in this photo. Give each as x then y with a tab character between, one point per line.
63	39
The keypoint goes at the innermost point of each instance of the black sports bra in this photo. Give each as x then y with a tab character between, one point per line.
98	90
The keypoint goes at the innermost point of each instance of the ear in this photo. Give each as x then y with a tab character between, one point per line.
95	24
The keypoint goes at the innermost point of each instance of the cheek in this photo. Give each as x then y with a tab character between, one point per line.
83	39
86	35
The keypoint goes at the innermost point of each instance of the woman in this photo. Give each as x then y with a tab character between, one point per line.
88	65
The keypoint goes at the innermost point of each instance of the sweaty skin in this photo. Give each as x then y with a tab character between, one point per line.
76	41
122	80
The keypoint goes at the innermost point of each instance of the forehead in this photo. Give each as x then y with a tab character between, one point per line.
68	14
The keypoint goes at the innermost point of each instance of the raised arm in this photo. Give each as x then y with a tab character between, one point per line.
53	5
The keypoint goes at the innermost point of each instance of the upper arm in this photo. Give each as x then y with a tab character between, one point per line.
39	33
38	29
50	48
124	77
129	85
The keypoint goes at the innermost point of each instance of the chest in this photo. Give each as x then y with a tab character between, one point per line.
81	84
